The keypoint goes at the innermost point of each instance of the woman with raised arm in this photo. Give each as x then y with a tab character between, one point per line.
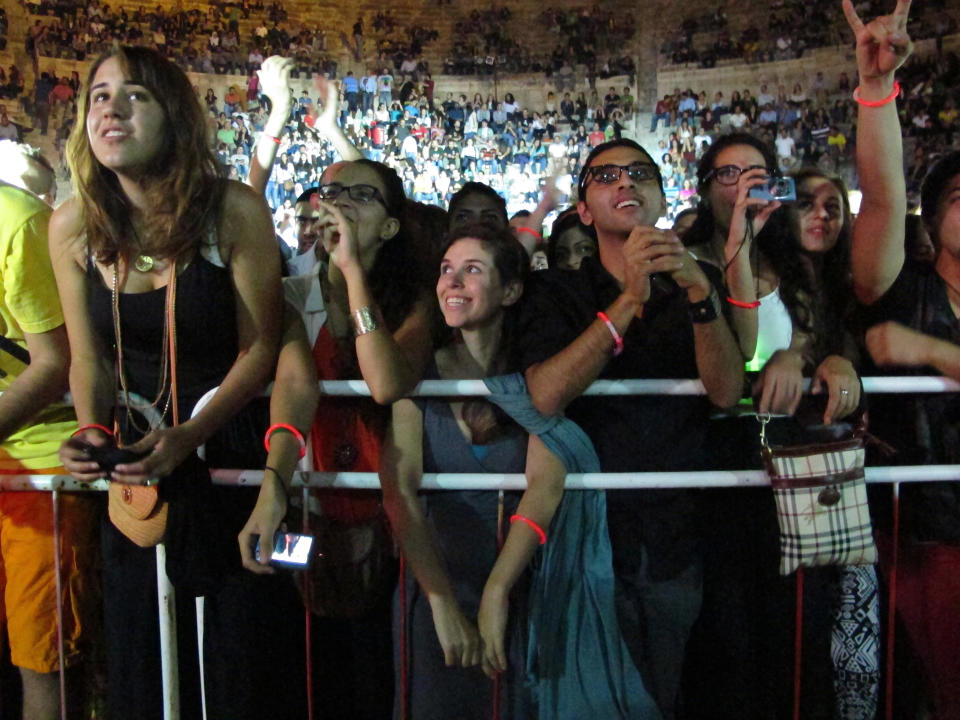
160	258
912	310
366	316
274	77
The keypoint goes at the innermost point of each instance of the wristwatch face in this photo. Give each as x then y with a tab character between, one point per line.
706	310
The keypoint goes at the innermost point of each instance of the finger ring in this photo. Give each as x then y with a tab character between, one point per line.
844	391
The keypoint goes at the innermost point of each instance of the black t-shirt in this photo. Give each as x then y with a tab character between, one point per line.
924	429
630	433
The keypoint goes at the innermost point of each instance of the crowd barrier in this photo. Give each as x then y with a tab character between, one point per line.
304	479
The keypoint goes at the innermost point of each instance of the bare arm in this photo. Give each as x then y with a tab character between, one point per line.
42	382
534	221
545	478
747	220
401	469
391	363
326	122
557	381
877	254
719	358
892	344
293	401
254	265
274	76
91	369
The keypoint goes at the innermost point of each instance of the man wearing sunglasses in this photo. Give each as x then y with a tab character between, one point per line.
642	308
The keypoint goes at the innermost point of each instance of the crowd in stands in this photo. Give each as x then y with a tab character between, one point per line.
209	42
486	42
792	27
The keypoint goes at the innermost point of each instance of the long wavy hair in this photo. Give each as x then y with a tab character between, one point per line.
183	184
834	288
777	239
393	279
486	420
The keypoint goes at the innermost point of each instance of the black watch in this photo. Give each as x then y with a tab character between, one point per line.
707	310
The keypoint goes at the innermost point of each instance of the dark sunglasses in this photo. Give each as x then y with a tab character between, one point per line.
608	174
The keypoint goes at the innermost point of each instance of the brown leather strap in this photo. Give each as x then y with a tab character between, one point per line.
172	339
782	483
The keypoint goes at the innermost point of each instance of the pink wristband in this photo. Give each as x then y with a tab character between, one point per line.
877	103
533	526
617	339
286	427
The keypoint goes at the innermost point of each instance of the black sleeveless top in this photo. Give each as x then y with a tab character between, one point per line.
206	330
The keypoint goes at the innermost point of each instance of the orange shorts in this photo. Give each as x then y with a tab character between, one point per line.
28	580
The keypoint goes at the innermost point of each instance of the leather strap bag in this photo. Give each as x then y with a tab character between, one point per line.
138	510
821	497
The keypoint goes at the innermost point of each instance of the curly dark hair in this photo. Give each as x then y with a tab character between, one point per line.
834	288
777	240
393	282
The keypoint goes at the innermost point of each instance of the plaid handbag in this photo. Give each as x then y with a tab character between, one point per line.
821	497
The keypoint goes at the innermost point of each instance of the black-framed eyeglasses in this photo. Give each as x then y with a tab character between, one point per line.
608	174
360	193
730	174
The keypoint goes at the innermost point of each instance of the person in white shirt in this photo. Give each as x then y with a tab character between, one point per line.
786	149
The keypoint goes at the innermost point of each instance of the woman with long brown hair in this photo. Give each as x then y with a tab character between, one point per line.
170	281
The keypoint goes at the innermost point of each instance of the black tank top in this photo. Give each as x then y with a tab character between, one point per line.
205	325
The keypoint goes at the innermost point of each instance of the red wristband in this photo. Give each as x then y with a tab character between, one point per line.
93	426
272	137
743	303
877	103
617	338
286	428
531	231
533	526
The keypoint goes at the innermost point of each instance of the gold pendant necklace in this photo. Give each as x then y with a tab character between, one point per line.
144	263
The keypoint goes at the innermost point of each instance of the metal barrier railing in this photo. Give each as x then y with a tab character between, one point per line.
895	475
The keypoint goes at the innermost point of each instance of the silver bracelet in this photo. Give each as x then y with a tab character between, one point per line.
366	320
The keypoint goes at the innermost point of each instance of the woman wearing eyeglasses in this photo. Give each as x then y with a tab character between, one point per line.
788	288
366	316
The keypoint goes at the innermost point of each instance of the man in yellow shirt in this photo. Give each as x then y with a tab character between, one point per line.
34	360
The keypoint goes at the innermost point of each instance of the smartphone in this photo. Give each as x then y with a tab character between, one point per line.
783	189
289	550
108	457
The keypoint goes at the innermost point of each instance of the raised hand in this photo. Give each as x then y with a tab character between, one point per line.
738	243
274	75
326	120
883	44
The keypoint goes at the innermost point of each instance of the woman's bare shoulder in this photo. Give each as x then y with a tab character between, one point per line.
244	218
66	230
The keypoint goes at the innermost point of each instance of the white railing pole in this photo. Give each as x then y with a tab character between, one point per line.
166	599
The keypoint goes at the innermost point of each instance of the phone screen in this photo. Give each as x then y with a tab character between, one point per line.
290	549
